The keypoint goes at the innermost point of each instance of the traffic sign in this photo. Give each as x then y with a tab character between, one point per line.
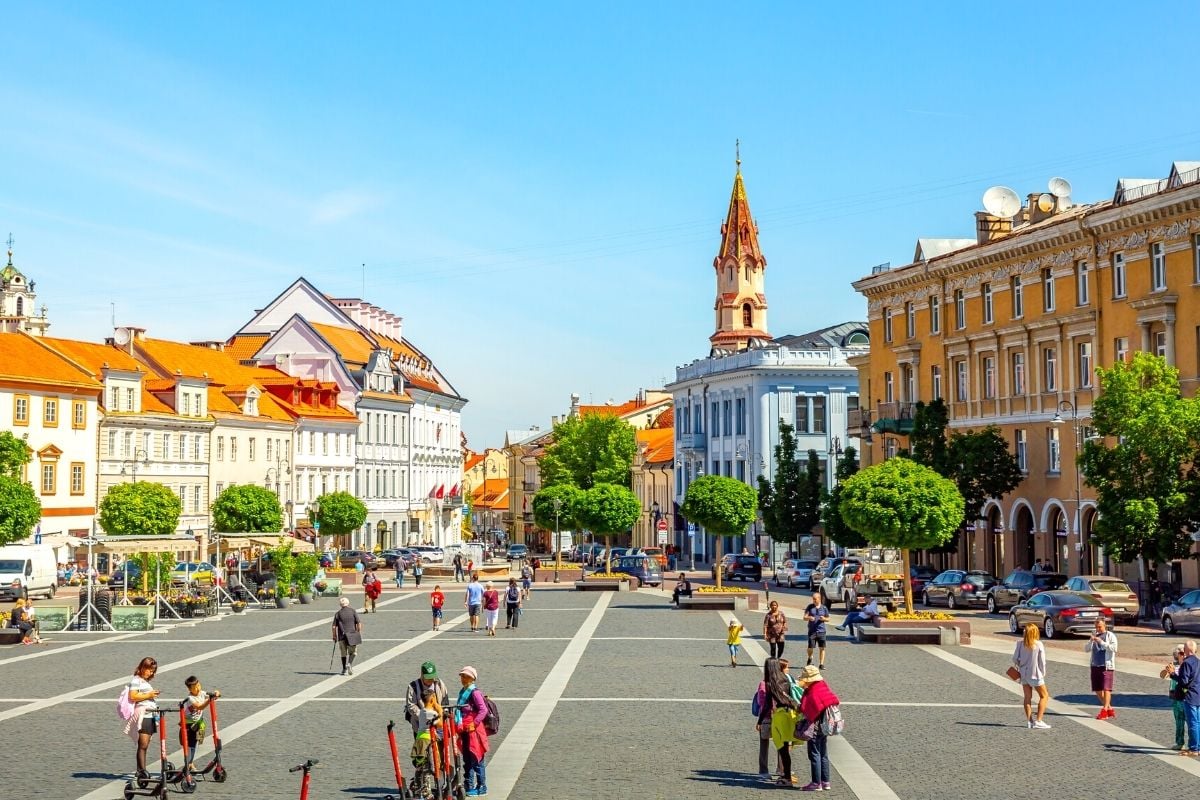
662	536
317	525
88	541
662	524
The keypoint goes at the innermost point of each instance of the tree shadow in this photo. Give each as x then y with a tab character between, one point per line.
730	778
1146	701
107	776
990	724
370	791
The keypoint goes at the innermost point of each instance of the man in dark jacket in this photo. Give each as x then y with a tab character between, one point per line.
347	631
1187	676
412	697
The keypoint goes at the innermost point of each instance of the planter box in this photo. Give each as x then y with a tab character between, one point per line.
133	618
602	585
53	618
735	601
333	588
962	626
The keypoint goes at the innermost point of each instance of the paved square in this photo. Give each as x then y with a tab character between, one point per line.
601	695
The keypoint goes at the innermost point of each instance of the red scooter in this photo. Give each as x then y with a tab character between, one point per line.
187	776
307	766
155	787
402	791
448	783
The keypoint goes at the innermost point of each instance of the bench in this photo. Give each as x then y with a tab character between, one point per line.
10	636
894	635
734	603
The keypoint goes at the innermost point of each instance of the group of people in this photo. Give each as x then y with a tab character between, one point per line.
790	711
23	617
428	709
140	710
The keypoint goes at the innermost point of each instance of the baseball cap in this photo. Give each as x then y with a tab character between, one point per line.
469	672
428	670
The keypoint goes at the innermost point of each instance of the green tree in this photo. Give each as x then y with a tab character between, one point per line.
927	442
831	512
723	506
14	455
283	564
568	497
781	499
589	450
606	509
339	513
1147	484
20	509
156	569
812	493
140	509
902	504
247	509
983	468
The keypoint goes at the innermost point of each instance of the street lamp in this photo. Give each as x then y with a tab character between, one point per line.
140	457
1076	424
557	503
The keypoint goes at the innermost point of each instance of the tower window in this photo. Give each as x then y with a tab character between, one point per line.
747	316
20	306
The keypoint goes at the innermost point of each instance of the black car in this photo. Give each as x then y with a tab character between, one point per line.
919	575
1058	612
1021	585
743	568
956	587
128	575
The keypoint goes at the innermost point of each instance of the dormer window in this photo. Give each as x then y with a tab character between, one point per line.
251	408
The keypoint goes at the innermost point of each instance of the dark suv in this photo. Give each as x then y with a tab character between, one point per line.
1020	585
743	568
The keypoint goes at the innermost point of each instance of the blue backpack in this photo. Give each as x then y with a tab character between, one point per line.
760	697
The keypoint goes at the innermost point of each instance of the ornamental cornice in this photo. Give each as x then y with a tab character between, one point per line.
1179	229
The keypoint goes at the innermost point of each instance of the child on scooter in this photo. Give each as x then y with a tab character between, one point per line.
425	758
193	715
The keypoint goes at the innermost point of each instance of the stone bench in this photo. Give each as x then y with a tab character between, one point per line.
604	585
740	602
10	636
896	635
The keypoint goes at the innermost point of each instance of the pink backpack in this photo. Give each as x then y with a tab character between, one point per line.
125	706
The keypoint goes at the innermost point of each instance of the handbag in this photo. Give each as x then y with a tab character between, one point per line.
1013	673
805	730
352	638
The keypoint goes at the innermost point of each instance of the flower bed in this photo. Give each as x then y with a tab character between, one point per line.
722	590
917	615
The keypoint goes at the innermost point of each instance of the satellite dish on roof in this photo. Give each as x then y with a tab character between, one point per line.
121	336
1001	201
1045	202
1060	187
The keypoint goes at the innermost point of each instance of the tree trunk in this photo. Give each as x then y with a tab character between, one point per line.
905	577
717	543
608	554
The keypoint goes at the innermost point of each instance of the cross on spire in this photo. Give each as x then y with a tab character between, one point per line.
737	150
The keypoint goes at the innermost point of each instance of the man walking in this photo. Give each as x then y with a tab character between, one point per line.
458	568
816	614
347	632
1103	647
1187	677
474	601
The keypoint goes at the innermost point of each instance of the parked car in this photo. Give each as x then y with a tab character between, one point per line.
657	553
839	585
725	561
826	565
956	587
1021	585
744	568
919	575
429	554
193	575
129	573
1058	612
1183	615
328	559
795	572
1113	592
516	552
348	558
645	570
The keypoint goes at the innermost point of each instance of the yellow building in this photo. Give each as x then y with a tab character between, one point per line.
1008	329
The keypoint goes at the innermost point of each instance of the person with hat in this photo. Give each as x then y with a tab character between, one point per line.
816	699
413	697
347	632
473	739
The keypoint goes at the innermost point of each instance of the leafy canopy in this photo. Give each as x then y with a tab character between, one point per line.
140	509
589	450
724	506
20	509
791	504
983	467
1147	484
569	498
247	508
831	511
606	509
902	504
340	513
14	455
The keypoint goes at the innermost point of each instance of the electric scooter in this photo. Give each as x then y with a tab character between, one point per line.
307	766
155	787
402	791
448	784
214	767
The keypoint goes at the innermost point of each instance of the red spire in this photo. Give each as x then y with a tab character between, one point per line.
739	234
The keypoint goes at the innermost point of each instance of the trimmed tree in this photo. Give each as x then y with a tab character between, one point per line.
247	509
606	509
723	506
20	509
568	497
588	451
904	505
340	513
140	509
14	455
831	512
1147	482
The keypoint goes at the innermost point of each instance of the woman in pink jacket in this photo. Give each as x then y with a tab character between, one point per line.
817	697
473	738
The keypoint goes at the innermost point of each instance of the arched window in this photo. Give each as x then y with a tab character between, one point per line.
747	273
20	306
747	316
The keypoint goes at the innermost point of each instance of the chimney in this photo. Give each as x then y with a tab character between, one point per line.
989	228
574	405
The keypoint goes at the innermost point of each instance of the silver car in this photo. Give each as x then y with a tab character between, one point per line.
1183	615
795	572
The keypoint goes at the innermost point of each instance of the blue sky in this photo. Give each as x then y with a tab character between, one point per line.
538	188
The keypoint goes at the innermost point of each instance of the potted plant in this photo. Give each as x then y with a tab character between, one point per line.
283	564
238	606
304	569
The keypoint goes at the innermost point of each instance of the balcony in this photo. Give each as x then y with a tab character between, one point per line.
692	441
894	418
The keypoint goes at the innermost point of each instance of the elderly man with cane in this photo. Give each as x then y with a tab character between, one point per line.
347	632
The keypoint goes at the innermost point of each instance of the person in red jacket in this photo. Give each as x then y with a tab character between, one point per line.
817	697
372	588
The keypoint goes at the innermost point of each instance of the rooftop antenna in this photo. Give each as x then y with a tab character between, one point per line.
737	153
1001	201
364	273
113	307
1060	187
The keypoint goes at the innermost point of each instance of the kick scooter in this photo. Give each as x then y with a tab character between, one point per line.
155	787
307	766
402	792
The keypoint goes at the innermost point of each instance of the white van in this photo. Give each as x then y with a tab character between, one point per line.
27	569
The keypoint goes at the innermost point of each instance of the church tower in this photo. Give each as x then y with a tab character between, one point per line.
741	305
17	311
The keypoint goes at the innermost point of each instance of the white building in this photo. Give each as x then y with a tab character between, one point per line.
18	311
728	406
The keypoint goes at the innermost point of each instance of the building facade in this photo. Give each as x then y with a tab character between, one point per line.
1008	329
18	302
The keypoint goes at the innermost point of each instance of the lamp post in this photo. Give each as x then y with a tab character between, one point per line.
1076	424
557	503
140	458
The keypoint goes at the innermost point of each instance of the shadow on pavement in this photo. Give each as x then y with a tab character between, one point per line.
105	776
1134	750
370	792
729	778
1151	701
993	724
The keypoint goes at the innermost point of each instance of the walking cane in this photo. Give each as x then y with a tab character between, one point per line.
332	654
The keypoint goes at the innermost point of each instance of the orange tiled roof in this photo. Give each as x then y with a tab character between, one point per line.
243	348
351	344
24	360
660	444
154	405
92	356
472	460
666	419
493	494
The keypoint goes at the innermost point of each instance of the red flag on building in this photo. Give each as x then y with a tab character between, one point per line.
441	492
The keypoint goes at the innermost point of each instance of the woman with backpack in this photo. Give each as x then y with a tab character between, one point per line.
817	699
470	716
779	711
137	707
512	604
